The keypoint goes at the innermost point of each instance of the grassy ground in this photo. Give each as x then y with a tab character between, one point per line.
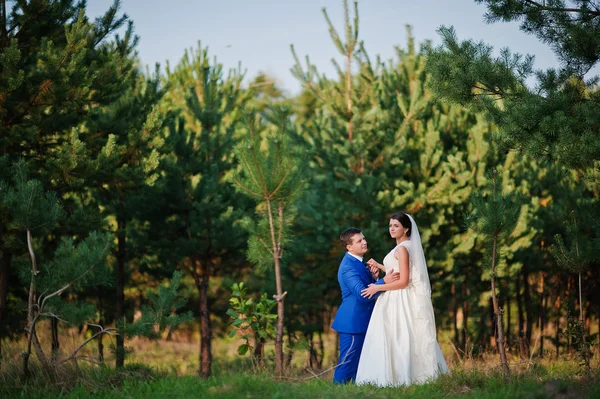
166	369
139	382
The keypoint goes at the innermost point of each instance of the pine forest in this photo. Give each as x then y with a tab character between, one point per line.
176	230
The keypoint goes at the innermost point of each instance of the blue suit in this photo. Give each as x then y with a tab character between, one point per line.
352	318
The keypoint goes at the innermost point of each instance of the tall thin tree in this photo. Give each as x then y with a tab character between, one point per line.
272	175
495	217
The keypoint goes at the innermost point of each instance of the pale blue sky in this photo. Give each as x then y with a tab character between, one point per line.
258	33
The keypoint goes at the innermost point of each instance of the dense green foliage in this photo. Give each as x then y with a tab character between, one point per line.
557	118
82	119
194	172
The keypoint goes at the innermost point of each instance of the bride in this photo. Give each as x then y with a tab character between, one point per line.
400	345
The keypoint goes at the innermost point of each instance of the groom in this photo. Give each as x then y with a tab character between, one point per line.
353	315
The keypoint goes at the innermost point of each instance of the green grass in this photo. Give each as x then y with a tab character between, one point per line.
138	381
166	369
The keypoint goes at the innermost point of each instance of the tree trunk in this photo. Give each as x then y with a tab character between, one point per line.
4	273
55	342
290	354
279	329
454	307
259	352
588	316
120	294
586	357
542	318
337	348
202	281
508	318
557	325
568	304
528	309
101	322
466	310
30	309
32	313
349	91
3	27
276	251
321	354
493	325
33	341
205	325
26	355
312	353
482	333
498	314
521	316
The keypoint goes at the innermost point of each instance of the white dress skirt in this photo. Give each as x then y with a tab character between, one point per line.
400	346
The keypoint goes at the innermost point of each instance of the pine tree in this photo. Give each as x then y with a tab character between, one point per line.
271	173
36	212
131	127
201	209
556	119
339	127
495	218
577	258
56	69
74	266
409	151
265	92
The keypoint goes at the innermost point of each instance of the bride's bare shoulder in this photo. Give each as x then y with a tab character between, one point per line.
402	247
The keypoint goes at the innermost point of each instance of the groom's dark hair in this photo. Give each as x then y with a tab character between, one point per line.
347	235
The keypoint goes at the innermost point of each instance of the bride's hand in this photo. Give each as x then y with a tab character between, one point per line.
372	262
374	272
371	290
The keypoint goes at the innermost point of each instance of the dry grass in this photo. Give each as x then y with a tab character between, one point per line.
179	354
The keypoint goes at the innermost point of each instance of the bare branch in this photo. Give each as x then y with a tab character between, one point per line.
107	331
561	9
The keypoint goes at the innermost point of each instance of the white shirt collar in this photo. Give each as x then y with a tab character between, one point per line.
356	256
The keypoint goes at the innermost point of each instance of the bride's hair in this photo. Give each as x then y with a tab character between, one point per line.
404	221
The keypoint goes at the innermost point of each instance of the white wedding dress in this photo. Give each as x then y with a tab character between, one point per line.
400	346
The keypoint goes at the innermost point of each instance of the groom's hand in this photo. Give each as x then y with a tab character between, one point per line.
391	277
371	290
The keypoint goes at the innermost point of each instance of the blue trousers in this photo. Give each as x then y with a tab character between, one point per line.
350	348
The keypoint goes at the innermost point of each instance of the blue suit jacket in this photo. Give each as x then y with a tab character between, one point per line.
355	311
